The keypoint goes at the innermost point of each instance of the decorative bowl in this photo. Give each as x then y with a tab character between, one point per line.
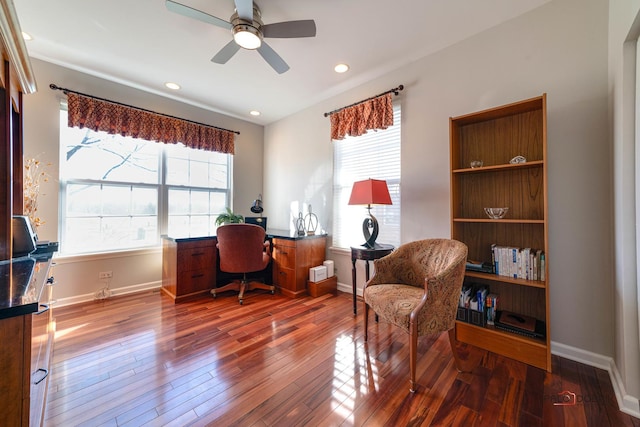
476	163
496	213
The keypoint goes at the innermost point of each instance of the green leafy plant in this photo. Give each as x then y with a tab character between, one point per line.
229	218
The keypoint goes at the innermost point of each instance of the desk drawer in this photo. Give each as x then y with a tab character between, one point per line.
284	255
285	278
195	280
196	258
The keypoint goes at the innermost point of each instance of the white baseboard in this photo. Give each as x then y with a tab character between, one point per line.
347	288
76	299
627	403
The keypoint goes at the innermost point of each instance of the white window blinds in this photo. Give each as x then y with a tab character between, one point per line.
376	155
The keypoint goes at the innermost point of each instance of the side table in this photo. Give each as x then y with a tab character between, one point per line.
366	254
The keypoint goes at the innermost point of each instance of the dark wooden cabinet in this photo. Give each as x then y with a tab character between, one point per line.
292	259
16	78
25	353
188	266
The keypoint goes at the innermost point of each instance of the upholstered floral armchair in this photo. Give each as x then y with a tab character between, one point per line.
417	288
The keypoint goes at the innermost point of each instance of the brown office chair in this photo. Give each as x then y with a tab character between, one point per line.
417	288
243	249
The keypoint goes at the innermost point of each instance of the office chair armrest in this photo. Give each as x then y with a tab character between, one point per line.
267	247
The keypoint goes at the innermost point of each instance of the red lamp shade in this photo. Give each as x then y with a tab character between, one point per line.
370	192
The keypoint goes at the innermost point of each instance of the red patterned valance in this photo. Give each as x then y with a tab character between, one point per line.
115	118
376	113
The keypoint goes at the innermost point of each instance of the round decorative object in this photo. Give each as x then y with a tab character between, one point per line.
476	163
518	159
311	222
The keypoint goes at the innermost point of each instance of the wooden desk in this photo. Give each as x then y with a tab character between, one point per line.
293	256
190	265
366	254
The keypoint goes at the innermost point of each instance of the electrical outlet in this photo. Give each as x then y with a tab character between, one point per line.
105	275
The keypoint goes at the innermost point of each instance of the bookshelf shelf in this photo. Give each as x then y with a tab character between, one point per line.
495	136
503	221
527	165
505	279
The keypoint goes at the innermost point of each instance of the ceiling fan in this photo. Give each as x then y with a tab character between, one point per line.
249	31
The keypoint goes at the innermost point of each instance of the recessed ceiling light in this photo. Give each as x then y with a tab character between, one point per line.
173	86
254	112
341	68
26	36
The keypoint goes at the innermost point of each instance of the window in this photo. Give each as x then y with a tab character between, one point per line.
122	193
376	155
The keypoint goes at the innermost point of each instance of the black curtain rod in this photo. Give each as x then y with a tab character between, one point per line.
395	91
65	90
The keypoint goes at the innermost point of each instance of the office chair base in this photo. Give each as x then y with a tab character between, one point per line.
241	286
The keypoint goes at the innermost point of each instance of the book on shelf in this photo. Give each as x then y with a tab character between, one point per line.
520	324
477	305
479	266
492	306
518	263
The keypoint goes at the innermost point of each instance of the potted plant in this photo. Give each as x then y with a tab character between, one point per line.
229	217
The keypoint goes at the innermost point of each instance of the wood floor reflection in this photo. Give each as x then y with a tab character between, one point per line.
141	360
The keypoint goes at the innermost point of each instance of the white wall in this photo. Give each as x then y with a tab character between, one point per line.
624	29
559	48
77	277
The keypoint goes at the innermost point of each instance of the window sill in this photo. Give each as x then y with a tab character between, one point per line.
67	259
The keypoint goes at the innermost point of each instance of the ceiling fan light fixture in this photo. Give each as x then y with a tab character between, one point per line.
247	36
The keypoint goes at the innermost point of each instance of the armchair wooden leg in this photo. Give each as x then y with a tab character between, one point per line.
454	350
366	321
413	355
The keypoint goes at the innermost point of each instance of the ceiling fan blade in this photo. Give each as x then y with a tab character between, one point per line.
290	29
190	12
272	58
245	9
226	53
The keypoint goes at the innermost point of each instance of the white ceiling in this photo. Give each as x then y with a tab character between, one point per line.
141	44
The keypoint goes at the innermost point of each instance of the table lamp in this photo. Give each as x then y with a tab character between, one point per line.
370	192
256	206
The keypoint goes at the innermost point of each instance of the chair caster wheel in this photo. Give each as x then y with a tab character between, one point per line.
273	292
240	302
214	296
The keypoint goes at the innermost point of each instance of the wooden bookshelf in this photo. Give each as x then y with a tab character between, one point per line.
495	136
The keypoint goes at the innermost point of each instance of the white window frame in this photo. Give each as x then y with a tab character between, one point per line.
163	188
376	155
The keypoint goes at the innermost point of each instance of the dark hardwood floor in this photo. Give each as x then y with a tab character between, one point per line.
141	360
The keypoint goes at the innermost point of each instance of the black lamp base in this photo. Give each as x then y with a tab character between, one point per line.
370	230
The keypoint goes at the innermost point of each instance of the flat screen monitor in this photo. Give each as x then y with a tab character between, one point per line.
24	238
256	220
